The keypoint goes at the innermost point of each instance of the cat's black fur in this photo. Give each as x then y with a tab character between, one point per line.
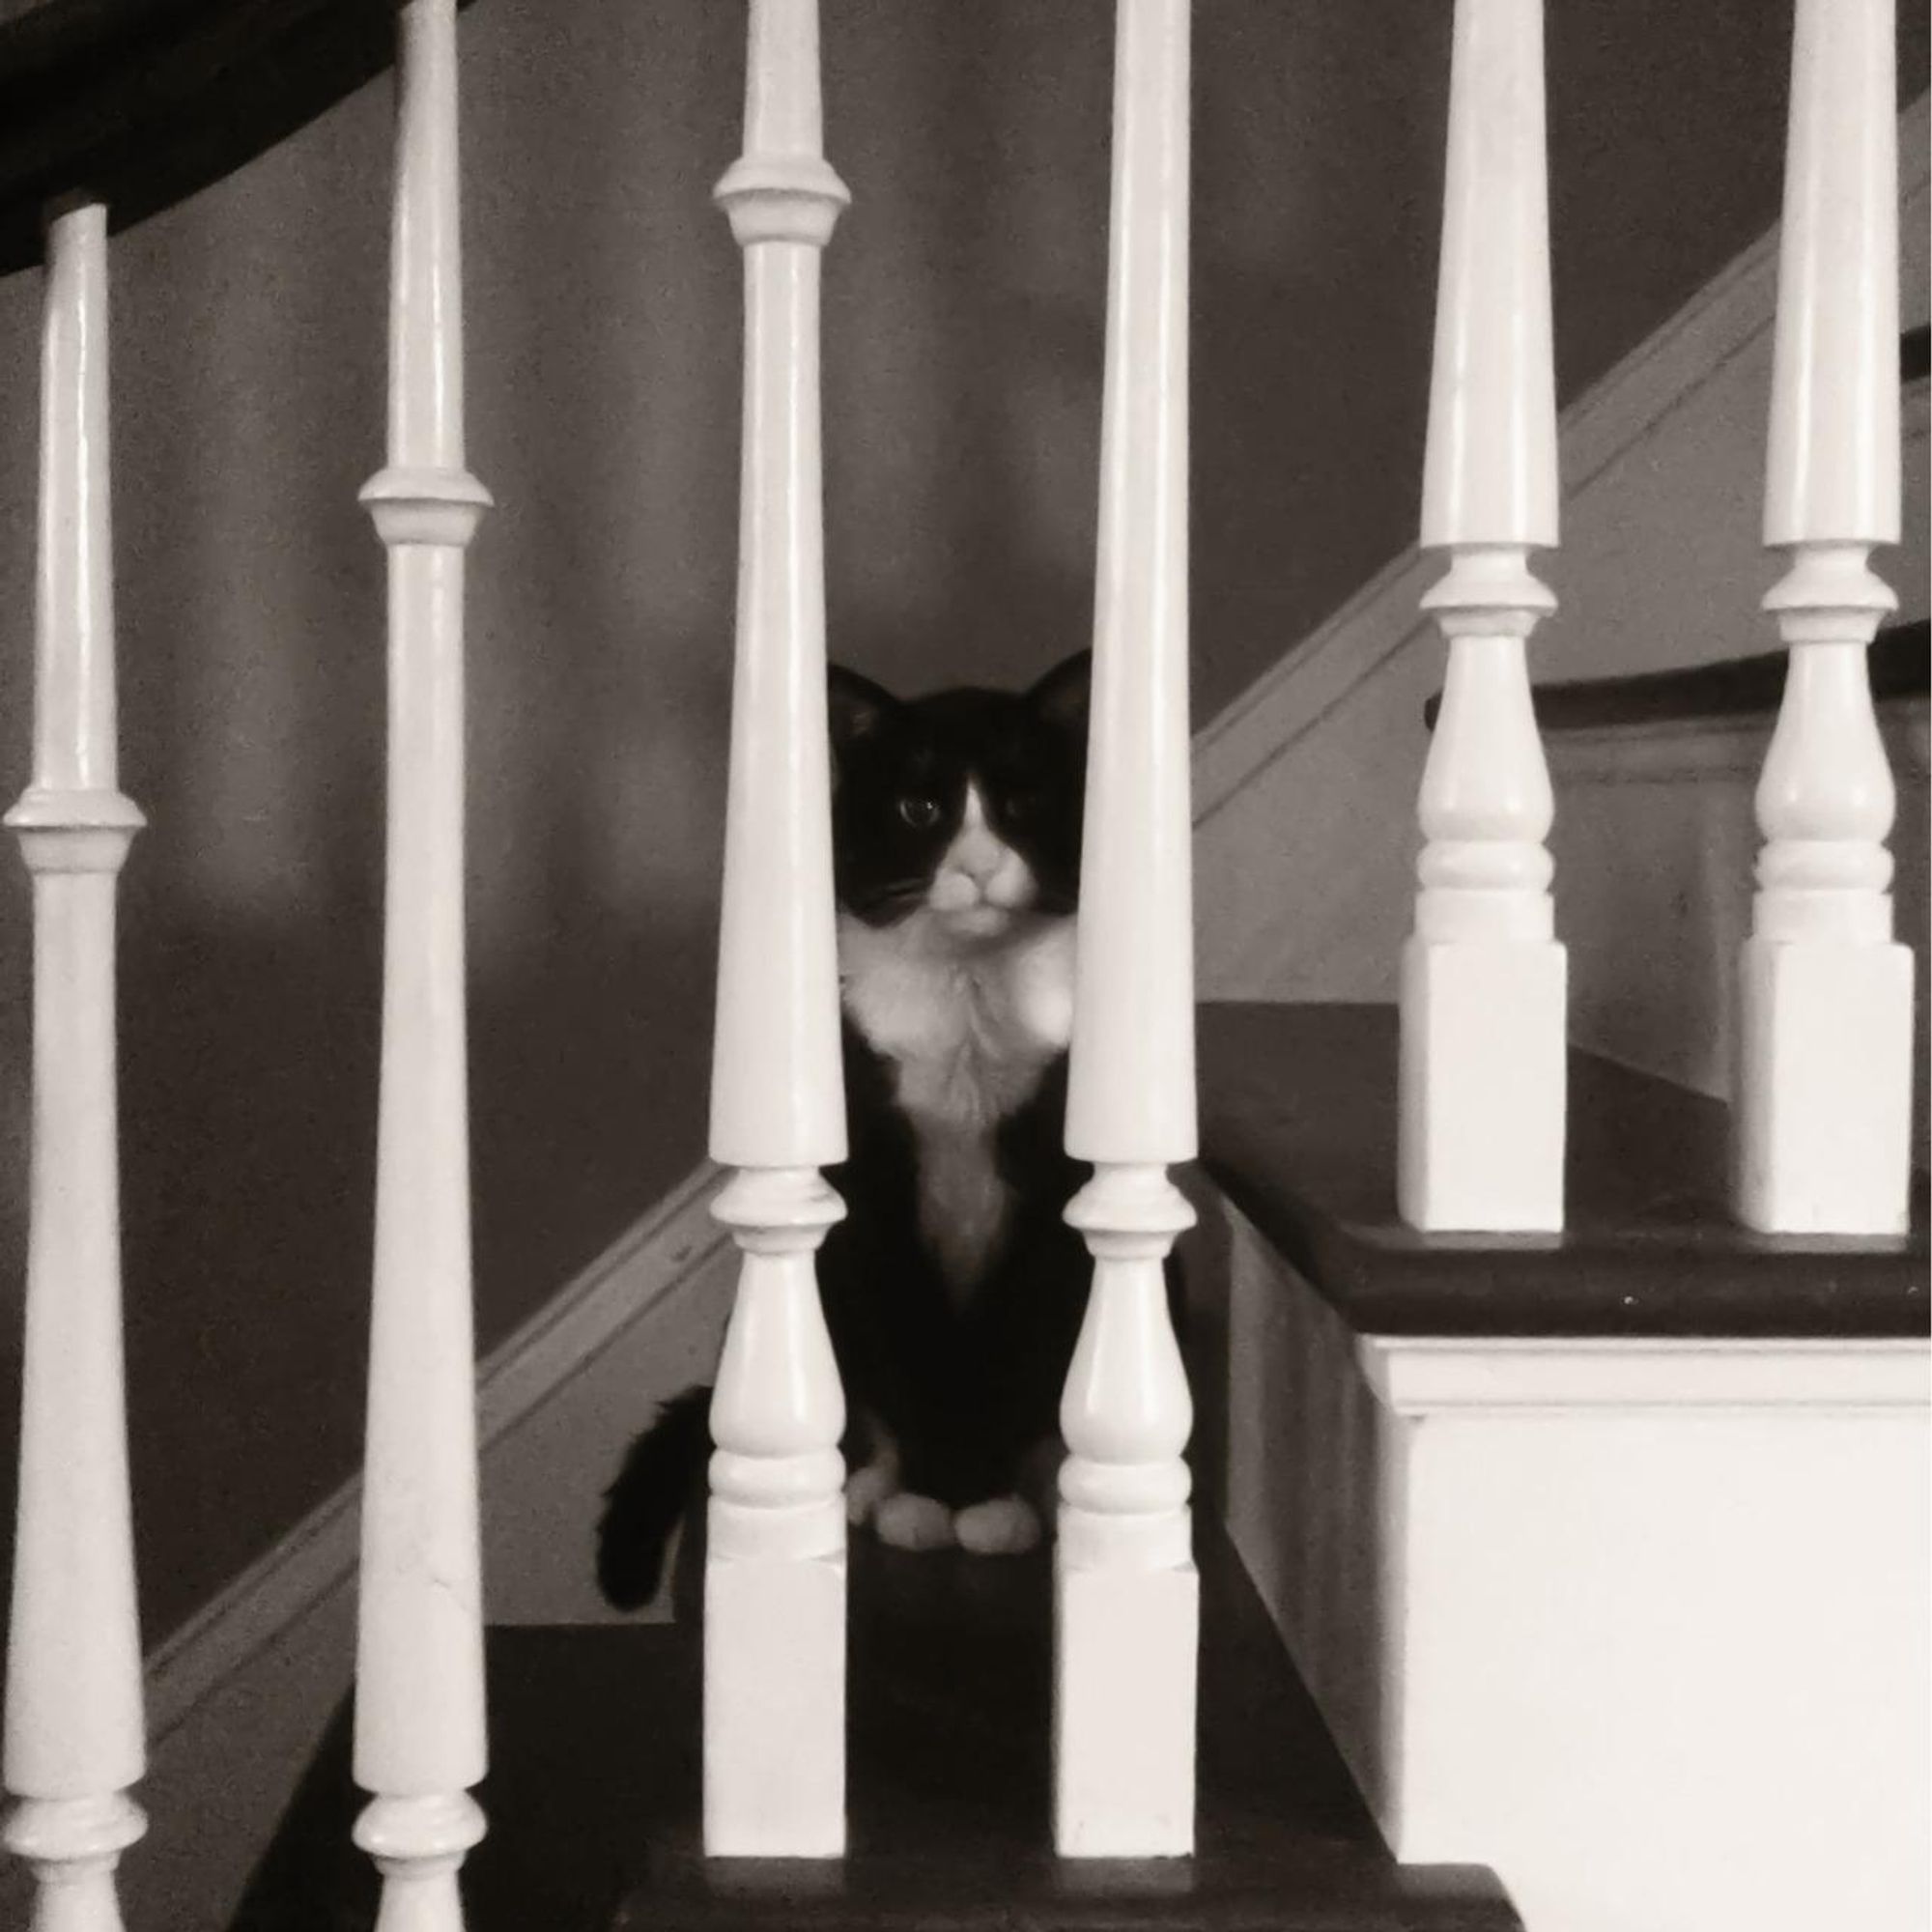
964	1376
966	1383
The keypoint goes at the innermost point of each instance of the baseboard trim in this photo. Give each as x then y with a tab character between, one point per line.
638	1272
1419	1376
1658	376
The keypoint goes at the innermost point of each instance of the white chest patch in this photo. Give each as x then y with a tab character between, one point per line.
969	1029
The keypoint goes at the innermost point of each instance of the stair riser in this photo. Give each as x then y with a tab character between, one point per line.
1640	1625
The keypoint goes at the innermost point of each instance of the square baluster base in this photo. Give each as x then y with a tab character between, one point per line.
1824	1084
1123	1696
774	1708
1483	1086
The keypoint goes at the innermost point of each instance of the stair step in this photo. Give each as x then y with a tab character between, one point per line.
593	1793
1298	1129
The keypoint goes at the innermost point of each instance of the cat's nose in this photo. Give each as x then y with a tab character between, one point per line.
1007	883
971	866
954	890
974	855
978	858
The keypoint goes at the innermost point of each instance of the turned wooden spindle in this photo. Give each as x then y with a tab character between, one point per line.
775	1574
74	1740
419	1702
1824	1073
1126	1588
1483	977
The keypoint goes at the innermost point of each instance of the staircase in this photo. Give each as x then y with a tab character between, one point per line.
1551	1539
1574	1537
595	1779
1654	1371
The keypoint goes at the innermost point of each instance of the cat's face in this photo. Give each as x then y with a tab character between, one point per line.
963	807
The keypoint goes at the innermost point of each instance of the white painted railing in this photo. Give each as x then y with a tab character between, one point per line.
1825	1013
1483	977
775	1574
1125	1590
419	1708
74	1738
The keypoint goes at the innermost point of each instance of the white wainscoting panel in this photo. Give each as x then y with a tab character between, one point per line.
1655	841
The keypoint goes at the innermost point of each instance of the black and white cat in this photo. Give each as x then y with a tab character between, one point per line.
953	1289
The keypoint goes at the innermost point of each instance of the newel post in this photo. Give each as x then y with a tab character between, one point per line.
1825	1031
1125	1589
1483	977
75	1737
775	1574
419	1700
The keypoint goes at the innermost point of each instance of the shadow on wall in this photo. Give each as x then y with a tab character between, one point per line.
964	316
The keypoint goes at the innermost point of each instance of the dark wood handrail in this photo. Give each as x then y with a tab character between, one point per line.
138	104
1746	687
1901	666
1750	687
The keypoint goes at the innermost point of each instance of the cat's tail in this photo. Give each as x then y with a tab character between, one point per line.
645	1505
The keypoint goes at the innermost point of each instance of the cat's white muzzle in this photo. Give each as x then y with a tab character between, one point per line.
969	908
981	884
979	920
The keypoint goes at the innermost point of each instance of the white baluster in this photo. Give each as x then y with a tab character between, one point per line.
75	1737
1825	1027
419	1709
1126	1588
775	1576
1483	977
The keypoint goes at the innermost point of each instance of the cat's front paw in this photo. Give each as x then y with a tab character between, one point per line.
867	1489
913	1522
1004	1526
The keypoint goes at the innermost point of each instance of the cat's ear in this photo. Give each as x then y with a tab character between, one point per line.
856	706
1061	696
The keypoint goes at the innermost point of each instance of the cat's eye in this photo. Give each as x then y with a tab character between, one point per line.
1018	807
920	810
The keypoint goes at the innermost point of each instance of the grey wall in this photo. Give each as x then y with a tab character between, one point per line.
963	331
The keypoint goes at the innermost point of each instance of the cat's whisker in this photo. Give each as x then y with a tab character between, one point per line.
905	894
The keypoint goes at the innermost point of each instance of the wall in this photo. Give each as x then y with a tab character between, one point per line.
963	331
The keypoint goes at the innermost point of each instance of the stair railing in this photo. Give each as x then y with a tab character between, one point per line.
1824	1073
1824	1082
419	1694
1483	980
775	1568
1126	1594
75	1737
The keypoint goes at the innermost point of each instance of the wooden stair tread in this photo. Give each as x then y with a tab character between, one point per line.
1298	1127
593	1793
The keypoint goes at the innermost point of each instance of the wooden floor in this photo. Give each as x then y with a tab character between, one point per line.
593	1795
